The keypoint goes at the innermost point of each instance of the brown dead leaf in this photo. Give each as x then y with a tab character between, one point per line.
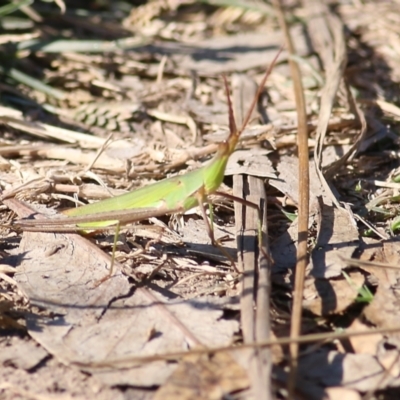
337	237
288	182
383	311
390	360
98	325
204	378
363	344
256	165
337	230
324	297
361	372
20	353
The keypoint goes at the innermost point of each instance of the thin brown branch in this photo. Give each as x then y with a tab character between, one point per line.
304	190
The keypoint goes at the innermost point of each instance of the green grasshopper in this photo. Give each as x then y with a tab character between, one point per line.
169	196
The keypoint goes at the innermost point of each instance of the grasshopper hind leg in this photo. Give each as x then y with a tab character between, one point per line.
110	274
210	232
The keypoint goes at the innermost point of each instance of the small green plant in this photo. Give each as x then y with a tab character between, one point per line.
364	294
358	188
396	178
395	225
12	7
290	216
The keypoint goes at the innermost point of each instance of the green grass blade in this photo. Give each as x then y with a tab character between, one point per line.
12	7
34	83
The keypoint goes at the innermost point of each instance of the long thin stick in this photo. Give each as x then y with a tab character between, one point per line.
304	199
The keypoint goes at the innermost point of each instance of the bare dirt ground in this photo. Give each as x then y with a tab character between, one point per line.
99	98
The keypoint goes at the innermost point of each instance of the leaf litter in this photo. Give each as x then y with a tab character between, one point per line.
159	98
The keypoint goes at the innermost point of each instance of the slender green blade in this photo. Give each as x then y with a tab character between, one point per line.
10	8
